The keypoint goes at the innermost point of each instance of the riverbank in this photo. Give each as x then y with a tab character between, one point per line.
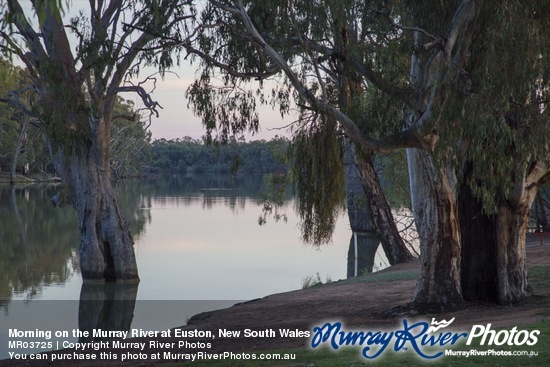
372	302
21	179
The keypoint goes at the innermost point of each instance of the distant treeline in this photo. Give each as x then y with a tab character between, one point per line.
193	155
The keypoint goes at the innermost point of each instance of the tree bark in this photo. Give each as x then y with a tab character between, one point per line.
360	219
493	246
510	230
382	217
433	200
106	245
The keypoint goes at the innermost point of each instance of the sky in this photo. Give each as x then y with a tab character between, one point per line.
175	119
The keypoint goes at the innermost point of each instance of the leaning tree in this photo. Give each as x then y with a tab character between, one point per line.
296	52
333	55
77	69
474	122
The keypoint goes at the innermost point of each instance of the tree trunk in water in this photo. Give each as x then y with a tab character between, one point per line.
359	213
479	247
360	219
394	247
106	246
434	205
367	244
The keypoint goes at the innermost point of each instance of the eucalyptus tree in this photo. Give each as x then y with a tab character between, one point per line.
333	55
504	148
272	43
391	75
77	69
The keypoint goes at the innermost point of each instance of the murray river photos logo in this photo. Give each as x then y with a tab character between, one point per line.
427	340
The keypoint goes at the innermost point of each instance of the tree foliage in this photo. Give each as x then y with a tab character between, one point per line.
500	100
130	140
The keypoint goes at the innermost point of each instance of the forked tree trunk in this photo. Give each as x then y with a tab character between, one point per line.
393	245
106	246
493	264
493	251
434	205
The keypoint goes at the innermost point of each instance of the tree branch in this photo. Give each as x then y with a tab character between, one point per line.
407	138
145	96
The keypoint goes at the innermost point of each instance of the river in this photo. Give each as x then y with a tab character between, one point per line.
198	245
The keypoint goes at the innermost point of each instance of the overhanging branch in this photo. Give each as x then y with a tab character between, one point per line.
407	138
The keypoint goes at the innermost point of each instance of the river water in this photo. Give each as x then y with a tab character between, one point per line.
198	244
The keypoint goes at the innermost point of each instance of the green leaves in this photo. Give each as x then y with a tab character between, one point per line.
502	119
225	110
318	174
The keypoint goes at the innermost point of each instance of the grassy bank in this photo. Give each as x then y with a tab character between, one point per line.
347	356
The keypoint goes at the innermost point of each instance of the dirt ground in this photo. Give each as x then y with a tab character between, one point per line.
356	304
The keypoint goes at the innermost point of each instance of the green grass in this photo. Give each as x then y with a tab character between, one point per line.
539	277
350	357
391	276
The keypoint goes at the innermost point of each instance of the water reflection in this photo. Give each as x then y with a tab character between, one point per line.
108	306
197	239
209	190
37	241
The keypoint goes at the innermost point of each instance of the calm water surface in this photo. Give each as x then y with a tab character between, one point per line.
198	247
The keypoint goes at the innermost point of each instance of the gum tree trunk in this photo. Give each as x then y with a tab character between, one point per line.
433	200
106	246
24	123
360	220
367	244
510	230
493	246
382	217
